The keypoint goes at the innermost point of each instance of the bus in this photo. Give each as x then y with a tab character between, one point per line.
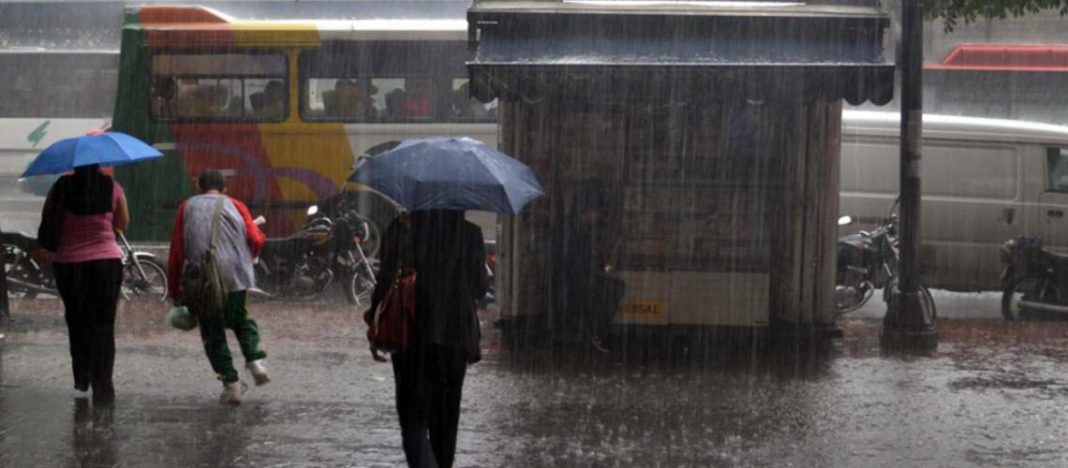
284	108
50	95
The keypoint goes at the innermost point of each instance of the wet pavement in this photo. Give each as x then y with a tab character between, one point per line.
994	394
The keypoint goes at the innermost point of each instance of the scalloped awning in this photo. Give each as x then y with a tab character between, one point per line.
533	49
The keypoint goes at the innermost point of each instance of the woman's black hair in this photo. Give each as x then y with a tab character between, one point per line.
87	191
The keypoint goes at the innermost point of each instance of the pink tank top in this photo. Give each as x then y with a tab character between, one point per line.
89	237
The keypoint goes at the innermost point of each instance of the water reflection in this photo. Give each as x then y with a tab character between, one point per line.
93	435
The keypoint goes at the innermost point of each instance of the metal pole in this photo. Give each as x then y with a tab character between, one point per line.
907	324
5	311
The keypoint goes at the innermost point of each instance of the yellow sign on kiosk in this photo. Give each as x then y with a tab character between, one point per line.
640	311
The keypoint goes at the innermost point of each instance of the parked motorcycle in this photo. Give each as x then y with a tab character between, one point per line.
303	265
868	260
142	274
1034	279
29	274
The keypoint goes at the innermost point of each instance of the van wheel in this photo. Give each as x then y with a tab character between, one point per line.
1011	296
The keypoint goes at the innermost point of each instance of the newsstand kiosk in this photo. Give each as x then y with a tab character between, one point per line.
695	147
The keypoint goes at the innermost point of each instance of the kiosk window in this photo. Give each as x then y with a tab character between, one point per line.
1057	170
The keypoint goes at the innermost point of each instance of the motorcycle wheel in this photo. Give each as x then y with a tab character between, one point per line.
845	308
1010	298
358	287
153	284
23	271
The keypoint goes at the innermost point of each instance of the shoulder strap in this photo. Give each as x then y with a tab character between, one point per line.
215	222
404	253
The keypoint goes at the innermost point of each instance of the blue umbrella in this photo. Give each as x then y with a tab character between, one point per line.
105	149
450	173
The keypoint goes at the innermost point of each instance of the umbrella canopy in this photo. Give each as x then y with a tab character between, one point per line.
451	174
105	149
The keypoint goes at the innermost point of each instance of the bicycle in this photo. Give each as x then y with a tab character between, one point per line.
142	274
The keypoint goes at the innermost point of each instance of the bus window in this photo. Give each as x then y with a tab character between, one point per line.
405	99
266	98
464	108
242	87
418	99
389	92
344	99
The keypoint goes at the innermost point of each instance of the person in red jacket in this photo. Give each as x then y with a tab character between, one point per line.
238	242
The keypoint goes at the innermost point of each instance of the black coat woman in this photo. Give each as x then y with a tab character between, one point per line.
448	254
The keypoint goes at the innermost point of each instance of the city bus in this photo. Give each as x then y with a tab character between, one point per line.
50	95
284	108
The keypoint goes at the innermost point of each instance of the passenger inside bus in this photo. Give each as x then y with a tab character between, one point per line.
269	103
394	104
347	100
417	103
201	100
163	92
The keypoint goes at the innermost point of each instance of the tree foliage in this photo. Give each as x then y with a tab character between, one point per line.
953	11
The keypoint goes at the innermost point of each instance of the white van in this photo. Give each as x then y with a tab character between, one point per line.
984	181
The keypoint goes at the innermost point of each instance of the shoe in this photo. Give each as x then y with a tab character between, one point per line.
231	393
258	371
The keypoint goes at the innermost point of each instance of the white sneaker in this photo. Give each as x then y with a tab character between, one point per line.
231	393
258	371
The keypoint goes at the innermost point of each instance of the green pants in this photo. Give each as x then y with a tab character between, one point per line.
213	333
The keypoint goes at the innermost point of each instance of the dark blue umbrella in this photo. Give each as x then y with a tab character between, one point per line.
450	173
103	148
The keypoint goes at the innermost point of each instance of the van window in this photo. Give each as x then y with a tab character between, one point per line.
948	170
1057	170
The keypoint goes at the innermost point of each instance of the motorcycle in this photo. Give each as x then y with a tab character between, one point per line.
1034	279
29	272
303	265
868	261
142	274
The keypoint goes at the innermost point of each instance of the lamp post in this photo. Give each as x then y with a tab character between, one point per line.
907	325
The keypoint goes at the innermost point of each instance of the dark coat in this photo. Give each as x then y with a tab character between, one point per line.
448	254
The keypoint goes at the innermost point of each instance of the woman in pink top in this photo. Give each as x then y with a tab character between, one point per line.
88	268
